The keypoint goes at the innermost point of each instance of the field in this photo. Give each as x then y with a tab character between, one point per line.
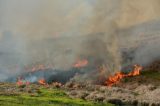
33	96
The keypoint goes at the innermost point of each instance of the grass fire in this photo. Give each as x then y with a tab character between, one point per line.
119	75
79	53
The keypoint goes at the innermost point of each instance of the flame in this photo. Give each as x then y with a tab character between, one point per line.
81	63
42	81
21	82
136	71
119	75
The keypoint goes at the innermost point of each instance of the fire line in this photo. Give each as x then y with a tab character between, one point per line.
120	75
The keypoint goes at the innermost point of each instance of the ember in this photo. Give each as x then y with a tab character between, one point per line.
119	75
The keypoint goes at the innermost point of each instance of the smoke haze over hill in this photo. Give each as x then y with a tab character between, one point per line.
61	32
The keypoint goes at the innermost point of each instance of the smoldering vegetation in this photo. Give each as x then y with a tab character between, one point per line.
113	33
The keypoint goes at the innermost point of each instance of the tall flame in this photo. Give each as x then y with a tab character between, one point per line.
119	75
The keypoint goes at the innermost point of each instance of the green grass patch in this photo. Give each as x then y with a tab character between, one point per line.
45	97
151	74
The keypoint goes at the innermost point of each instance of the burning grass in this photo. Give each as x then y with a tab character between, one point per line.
127	88
36	95
146	77
119	76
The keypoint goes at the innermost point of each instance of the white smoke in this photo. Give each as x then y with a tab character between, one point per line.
60	32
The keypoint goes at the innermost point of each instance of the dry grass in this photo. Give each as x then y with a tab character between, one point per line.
35	95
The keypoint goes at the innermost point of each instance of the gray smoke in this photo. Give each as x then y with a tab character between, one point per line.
60	32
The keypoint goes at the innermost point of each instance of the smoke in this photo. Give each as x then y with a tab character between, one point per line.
102	44
60	32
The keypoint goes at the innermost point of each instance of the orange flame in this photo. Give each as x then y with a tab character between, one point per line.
80	63
119	75
136	71
42	81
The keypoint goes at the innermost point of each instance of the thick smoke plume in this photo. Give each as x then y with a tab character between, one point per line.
60	32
